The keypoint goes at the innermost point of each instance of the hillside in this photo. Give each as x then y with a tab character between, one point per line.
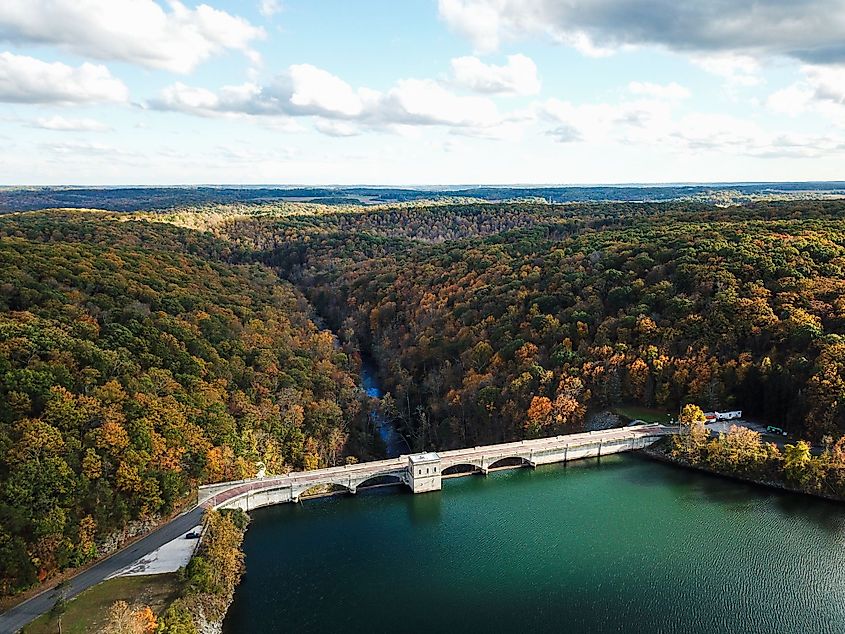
492	323
128	199
136	362
139	358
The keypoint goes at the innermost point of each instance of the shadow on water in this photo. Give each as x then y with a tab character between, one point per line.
424	509
825	514
735	494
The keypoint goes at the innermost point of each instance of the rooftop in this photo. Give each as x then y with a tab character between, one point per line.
419	458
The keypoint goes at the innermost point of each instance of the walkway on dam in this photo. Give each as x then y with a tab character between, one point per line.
288	488
475	459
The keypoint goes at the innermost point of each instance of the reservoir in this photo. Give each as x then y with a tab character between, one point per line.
618	545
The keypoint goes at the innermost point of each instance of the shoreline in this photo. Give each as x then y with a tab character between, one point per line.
216	627
660	456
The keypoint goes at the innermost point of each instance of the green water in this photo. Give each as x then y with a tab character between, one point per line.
627	545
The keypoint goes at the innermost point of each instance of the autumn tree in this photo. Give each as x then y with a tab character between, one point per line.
125	619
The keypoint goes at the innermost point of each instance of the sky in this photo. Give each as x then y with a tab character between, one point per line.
420	92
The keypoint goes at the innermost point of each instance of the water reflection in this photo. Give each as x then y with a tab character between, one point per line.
624	545
424	509
737	495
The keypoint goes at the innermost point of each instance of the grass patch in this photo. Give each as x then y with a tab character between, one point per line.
87	613
647	414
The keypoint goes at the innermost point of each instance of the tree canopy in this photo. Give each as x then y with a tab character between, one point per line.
136	363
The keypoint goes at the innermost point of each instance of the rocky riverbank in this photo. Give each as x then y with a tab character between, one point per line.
211	577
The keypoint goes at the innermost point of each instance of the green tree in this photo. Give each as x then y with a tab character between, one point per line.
796	461
176	619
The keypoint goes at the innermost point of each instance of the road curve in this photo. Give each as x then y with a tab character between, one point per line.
18	616
26	612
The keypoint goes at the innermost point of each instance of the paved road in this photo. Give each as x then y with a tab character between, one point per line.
449	458
28	611
22	614
555	442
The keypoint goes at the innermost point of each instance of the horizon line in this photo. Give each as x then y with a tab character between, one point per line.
433	186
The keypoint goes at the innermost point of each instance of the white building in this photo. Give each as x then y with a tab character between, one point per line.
425	472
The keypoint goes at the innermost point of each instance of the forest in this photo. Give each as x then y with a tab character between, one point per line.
496	322
129	199
144	353
741	453
136	363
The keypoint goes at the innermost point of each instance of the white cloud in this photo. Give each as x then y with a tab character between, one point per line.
629	121
316	91
188	99
336	128
660	123
63	124
828	82
89	149
737	70
517	77
820	93
269	8
671	91
244	154
480	22
29	80
487	22
792	100
308	91
708	131
135	31
425	102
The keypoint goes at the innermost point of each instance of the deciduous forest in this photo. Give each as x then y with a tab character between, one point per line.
491	322
134	364
144	353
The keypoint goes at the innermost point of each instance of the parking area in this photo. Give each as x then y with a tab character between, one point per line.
169	558
722	426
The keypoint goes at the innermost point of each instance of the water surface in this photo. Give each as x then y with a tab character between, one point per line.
625	545
395	443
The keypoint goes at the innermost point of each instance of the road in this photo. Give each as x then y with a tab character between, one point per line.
225	491
540	444
18	616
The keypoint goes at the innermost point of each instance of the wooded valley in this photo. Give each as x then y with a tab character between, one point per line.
139	358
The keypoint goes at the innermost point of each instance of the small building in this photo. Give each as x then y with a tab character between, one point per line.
425	472
712	417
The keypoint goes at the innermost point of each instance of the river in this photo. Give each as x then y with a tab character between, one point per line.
394	442
621	545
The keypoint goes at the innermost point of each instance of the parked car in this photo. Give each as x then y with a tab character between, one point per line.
192	535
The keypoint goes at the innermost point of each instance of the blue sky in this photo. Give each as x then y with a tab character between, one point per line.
105	92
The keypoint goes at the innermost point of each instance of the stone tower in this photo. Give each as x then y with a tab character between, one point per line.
425	472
